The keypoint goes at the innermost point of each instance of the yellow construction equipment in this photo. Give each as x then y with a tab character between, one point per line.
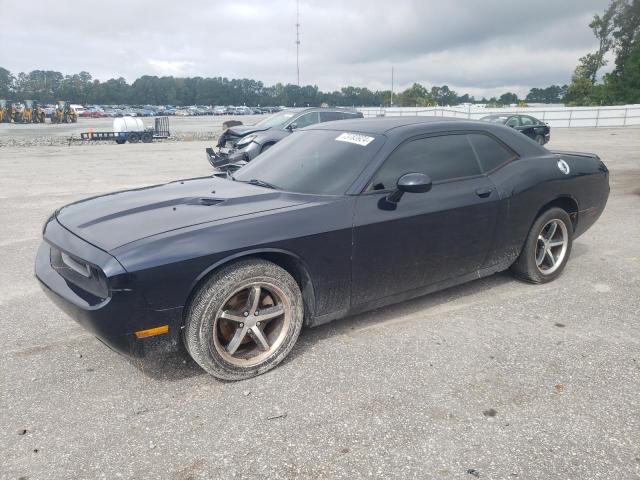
10	112
32	113
4	112
64	113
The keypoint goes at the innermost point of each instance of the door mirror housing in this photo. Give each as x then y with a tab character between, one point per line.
292	126
410	183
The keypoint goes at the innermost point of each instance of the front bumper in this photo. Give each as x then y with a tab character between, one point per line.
232	159
115	319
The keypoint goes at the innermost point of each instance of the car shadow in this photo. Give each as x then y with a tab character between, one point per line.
179	365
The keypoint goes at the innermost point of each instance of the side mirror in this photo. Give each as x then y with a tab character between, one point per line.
411	183
292	126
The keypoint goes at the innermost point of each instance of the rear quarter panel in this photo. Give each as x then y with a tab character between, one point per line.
530	183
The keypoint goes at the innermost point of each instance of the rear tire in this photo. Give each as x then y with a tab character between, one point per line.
546	249
133	138
244	320
146	137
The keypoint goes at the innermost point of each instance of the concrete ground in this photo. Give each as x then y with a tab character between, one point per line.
495	379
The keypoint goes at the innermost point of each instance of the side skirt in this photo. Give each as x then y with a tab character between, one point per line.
410	294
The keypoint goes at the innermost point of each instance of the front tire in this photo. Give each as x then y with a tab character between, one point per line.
539	139
244	320
547	248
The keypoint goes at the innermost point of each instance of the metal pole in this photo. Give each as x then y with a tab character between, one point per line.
391	105
624	122
298	40
597	116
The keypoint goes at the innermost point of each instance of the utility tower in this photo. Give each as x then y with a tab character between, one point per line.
298	40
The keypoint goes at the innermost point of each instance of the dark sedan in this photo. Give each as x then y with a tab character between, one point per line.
337	219
530	126
242	143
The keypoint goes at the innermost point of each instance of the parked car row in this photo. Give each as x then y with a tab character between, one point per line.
99	111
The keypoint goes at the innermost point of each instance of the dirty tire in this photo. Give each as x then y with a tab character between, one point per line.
133	138
539	139
210	299
525	267
146	137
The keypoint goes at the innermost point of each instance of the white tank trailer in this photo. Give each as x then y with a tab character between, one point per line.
132	130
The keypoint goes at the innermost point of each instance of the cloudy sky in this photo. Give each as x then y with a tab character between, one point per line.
481	47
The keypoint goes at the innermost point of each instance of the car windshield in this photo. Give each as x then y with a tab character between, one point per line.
495	118
324	162
277	119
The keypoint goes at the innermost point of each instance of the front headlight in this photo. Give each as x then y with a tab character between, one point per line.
246	140
86	276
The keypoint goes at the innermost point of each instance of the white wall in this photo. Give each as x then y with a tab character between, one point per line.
627	115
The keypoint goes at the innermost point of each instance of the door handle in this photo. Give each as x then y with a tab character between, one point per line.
484	192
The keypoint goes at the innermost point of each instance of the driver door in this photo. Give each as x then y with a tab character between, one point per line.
428	237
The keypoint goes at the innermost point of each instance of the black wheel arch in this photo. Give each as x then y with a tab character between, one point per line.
286	260
565	202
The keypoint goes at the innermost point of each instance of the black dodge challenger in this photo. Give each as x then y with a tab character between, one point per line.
336	219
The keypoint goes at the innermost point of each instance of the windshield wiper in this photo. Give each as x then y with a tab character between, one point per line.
262	183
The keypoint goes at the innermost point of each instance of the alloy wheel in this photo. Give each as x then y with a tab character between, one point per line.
551	246
251	324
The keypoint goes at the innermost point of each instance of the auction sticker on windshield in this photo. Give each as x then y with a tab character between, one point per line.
362	140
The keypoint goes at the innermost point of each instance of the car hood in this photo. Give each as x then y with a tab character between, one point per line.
112	220
242	130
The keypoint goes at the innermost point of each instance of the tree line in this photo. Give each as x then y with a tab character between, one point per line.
47	86
616	29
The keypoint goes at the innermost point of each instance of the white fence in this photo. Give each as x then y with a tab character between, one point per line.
619	116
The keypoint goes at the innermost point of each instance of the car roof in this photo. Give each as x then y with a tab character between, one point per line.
381	125
322	109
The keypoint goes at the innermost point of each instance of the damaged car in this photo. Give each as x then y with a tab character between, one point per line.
336	219
242	143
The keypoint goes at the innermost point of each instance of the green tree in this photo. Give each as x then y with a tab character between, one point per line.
7	83
508	98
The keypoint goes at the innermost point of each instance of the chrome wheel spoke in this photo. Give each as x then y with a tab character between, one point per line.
557	243
270	313
254	299
540	255
552	259
232	316
259	337
553	226
235	342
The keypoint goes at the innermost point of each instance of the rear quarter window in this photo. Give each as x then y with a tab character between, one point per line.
490	152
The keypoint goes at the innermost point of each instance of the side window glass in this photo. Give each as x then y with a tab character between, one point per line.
306	120
330	116
527	121
490	152
442	158
513	122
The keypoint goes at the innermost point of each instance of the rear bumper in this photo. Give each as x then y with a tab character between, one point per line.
115	319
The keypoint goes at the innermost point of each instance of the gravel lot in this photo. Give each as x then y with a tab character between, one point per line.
182	128
494	379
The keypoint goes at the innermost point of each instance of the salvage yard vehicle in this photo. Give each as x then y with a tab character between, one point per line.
64	113
241	144
336	219
530	126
